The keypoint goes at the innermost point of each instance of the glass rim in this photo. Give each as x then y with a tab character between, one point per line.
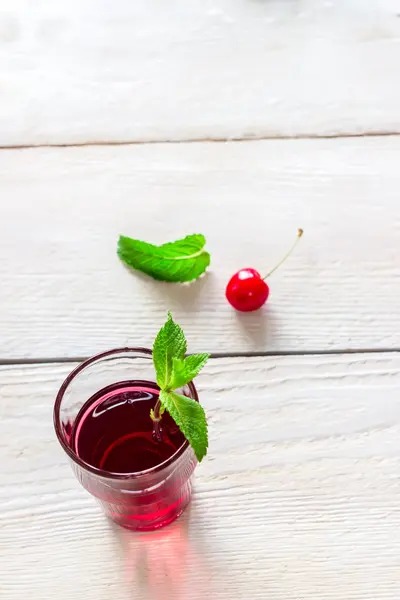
82	463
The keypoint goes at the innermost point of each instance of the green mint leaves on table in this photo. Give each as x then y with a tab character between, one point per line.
173	371
180	261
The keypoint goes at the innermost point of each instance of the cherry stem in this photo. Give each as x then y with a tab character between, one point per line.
299	234
157	433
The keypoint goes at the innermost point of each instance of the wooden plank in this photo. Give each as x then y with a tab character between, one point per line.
299	497
83	71
65	293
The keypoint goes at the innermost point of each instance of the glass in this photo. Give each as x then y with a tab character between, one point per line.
141	500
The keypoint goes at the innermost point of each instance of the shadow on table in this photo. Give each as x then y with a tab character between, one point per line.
259	327
186	559
184	296
165	564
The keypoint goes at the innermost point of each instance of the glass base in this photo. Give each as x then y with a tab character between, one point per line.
136	520
148	528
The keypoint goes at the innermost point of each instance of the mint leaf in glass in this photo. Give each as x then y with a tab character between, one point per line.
180	261
173	371
191	419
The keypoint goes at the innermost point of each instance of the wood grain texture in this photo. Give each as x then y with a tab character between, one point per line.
298	499
65	293
88	71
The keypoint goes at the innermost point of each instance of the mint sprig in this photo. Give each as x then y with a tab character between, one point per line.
173	371
179	261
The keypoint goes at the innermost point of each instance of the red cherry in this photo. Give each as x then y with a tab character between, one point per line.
246	290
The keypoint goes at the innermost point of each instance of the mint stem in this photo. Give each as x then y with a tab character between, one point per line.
157	433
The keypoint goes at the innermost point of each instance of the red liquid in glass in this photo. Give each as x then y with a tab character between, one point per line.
114	432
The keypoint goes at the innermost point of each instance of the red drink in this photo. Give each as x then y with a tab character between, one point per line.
142	481
114	432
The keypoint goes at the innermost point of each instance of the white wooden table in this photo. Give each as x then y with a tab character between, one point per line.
131	117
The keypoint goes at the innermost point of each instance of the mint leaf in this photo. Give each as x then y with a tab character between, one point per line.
170	343
185	370
190	417
173	371
180	261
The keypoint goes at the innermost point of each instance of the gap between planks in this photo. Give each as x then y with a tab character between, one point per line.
75	359
216	140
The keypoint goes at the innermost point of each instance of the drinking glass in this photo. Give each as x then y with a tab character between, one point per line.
143	500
